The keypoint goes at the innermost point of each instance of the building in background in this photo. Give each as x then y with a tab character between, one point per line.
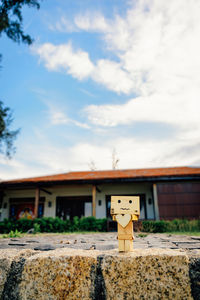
165	193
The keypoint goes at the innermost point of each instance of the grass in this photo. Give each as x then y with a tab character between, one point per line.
18	234
189	233
195	233
142	235
11	235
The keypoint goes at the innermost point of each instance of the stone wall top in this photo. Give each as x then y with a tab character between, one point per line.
67	273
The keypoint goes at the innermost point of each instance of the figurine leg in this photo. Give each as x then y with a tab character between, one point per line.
131	245
121	245
128	245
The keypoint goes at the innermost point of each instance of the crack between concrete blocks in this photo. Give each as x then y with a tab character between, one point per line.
98	288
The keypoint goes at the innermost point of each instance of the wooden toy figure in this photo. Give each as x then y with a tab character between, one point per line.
124	210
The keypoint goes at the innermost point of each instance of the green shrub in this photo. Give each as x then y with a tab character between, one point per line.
186	225
148	226
42	223
45	224
179	225
58	225
92	224
24	224
101	224
88	224
6	226
36	227
142	235
160	226
75	225
49	224
67	226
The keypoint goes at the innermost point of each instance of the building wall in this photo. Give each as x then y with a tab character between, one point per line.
83	190
175	200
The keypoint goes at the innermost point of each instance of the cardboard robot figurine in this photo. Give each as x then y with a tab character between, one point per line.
124	210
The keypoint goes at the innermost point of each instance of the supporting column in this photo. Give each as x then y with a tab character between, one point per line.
155	197
37	197
94	192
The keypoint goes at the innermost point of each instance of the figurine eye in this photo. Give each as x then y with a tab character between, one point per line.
119	201
130	201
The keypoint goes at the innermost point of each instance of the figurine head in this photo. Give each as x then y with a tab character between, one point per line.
125	205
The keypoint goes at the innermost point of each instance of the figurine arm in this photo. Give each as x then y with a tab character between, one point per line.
135	217
114	217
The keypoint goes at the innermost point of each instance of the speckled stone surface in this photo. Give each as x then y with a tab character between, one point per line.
147	274
60	274
11	267
6	259
67	273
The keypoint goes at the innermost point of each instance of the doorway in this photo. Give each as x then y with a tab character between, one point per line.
68	207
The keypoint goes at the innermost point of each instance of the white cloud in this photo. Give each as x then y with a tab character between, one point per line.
157	48
19	168
175	110
78	64
92	22
47	158
87	93
56	112
156	45
111	75
51	159
59	117
80	124
64	57
63	25
156	42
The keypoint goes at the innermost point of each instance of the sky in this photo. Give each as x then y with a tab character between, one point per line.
104	76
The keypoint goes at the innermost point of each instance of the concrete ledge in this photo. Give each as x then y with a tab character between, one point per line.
80	274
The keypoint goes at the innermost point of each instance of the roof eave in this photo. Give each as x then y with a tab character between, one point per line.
155	179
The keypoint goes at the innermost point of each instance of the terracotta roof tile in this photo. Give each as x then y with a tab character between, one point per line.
110	174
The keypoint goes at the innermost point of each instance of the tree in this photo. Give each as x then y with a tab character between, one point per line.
92	165
11	19
115	159
7	136
11	23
